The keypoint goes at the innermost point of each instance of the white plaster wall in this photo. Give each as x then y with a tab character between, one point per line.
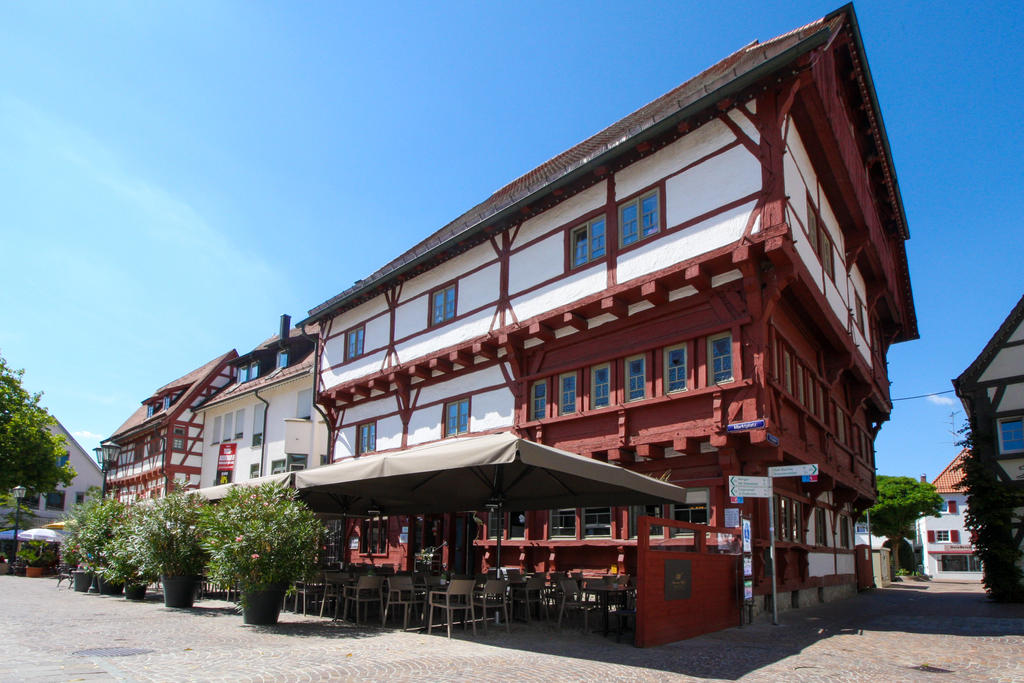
492	410
1007	363
389	433
377	333
364	411
820	564
681	153
344	445
717	181
425	425
357	368
1018	334
845	563
668	250
360	314
745	124
1013	397
536	263
571	209
463	384
479	288
837	302
575	286
449	270
445	336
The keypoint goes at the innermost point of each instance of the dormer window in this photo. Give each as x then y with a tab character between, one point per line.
167	402
282	358
150	409
243	374
248	371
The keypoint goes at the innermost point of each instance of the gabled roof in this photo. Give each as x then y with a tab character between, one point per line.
976	368
276	376
190	382
949	479
728	77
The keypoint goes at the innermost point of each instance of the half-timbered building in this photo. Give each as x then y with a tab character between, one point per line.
732	252
992	392
161	444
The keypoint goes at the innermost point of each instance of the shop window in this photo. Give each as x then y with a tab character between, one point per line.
694	510
959	563
567	394
597	522
638	218
820	530
638	511
296	462
517	524
675	369
600	386
587	242
277	466
636	378
366	440
720	358
456	417
254	470
562	523
373	536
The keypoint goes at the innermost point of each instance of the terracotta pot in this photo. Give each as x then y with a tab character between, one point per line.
34	572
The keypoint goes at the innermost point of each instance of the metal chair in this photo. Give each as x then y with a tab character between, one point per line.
400	592
573	599
494	594
457	597
531	593
366	591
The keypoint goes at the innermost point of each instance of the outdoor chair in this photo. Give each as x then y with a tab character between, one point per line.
494	594
457	597
624	615
531	593
365	591
304	590
400	592
64	574
572	599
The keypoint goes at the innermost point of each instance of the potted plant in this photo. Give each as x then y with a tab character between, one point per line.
262	540
4	567
38	555
126	557
90	529
171	546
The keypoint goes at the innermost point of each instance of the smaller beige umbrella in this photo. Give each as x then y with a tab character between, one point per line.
54	525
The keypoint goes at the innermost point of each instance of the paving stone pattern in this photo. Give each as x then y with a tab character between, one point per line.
909	632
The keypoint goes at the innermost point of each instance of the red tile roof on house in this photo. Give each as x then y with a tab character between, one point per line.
949	479
735	72
186	382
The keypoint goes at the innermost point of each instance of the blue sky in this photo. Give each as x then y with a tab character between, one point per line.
175	176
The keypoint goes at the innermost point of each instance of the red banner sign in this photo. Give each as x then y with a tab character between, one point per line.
226	457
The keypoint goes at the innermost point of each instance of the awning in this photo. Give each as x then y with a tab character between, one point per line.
456	475
218	492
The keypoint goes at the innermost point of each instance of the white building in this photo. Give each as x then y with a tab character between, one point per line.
53	506
264	421
945	541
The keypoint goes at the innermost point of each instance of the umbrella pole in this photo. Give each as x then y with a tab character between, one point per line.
501	532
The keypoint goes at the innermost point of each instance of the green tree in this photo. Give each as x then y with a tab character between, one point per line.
901	502
992	507
30	453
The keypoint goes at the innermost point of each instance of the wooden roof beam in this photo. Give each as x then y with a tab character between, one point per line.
541	331
461	357
442	365
615	306
486	349
574	320
698	277
655	292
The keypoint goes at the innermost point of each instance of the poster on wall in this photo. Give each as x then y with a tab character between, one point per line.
226	456
746	535
732	517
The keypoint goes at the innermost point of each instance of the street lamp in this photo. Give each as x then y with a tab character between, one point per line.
106	455
19	493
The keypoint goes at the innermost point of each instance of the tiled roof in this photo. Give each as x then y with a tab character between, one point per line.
188	381
949	479
732	74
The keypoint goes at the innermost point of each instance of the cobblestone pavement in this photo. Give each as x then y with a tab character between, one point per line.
882	635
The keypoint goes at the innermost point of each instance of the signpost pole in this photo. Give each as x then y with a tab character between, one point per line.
771	553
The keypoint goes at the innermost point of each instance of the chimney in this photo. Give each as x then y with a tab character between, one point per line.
286	325
924	479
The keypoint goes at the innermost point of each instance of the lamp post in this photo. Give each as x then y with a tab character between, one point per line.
106	455
18	492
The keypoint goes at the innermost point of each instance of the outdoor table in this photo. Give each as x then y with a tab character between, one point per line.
603	592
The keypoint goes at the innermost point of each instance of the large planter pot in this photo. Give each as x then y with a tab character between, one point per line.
137	593
82	579
34	572
109	588
262	607
179	591
4	568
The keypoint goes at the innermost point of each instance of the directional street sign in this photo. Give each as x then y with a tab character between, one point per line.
754	487
745	426
793	471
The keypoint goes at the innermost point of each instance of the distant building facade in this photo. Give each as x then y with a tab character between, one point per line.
946	547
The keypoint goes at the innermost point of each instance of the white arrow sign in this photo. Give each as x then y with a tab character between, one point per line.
750	487
793	471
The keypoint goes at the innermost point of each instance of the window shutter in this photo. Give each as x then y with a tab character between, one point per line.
931	537
952	507
954	536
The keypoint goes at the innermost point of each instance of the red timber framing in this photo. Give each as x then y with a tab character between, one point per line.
155	453
795	363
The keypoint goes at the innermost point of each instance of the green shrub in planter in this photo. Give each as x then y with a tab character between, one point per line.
261	539
126	553
90	529
171	544
37	553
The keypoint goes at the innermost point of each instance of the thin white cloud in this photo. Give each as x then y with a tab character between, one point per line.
940	400
86	434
